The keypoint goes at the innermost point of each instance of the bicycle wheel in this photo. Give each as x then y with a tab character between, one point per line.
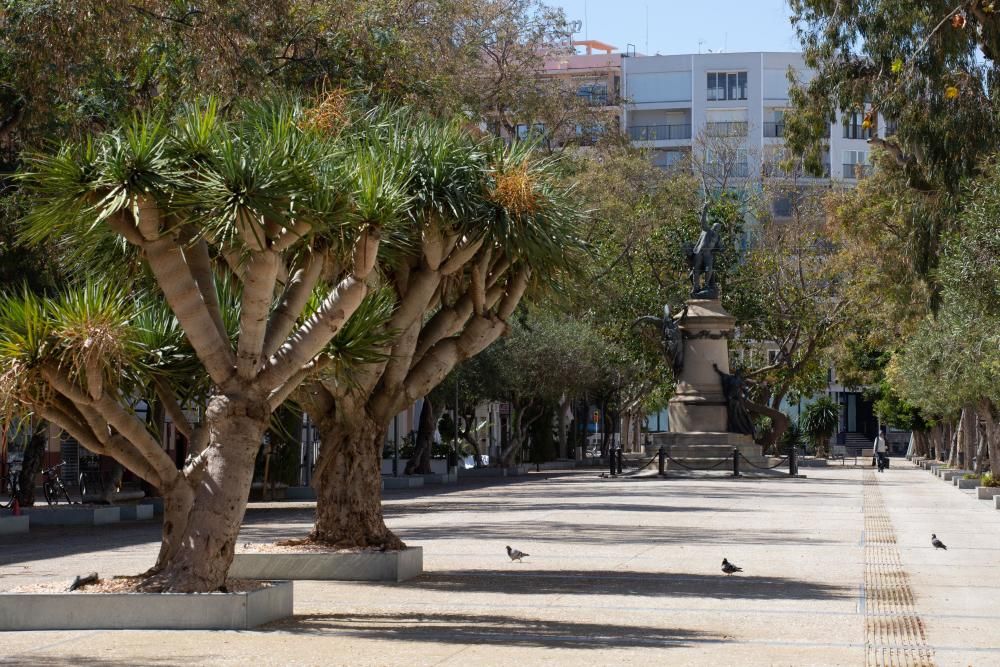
49	492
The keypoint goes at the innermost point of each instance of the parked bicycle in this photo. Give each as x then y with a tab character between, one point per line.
52	486
11	486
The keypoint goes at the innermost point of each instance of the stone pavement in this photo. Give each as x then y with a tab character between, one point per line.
838	570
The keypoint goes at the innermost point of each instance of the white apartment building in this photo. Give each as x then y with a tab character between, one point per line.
671	100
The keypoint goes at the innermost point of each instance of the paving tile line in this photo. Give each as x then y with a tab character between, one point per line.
894	632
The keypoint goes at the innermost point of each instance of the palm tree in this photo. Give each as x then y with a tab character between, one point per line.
294	209
484	223
819	422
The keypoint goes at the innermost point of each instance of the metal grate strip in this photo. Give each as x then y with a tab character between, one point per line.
894	633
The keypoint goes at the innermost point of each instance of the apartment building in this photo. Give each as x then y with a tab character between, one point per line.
678	103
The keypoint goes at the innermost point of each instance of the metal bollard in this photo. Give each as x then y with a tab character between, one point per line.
621	455
736	462
793	462
663	461
611	461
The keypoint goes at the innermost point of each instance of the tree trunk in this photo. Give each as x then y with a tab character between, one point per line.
31	465
200	560
954	432
991	434
177	504
563	440
967	440
348	483
420	462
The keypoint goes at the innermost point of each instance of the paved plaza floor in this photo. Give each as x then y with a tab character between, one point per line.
838	570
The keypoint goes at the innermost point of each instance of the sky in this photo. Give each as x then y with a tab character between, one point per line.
677	26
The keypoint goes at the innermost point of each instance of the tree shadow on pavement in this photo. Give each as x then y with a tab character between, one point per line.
641	584
489	629
606	534
35	660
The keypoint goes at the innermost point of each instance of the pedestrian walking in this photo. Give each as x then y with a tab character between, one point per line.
881	450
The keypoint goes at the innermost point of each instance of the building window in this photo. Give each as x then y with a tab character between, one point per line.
853	126
594	94
727	86
727	162
667	159
855	164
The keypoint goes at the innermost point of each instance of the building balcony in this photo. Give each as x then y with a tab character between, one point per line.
735	170
726	129
858	132
774	130
660	132
774	170
857	170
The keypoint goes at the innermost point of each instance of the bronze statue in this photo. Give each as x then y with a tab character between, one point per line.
702	259
671	339
733	388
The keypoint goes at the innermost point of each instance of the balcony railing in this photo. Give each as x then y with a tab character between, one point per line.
726	129
659	132
857	132
774	130
734	170
594	99
774	170
857	170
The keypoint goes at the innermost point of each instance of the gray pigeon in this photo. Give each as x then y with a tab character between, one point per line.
938	544
515	554
729	568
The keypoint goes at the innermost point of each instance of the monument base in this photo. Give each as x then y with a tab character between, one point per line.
705	449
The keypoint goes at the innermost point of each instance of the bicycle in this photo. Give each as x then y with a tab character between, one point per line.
11	485
91	483
52	485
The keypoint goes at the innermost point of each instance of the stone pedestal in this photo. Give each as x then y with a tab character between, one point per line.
698	406
705	449
699	416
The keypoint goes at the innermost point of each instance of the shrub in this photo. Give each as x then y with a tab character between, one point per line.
989	479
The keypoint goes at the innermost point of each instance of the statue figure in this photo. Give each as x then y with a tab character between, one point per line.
702	259
671	340
733	388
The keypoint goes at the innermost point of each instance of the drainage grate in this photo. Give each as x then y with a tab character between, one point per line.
894	632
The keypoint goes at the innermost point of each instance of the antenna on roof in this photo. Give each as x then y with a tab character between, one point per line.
647	27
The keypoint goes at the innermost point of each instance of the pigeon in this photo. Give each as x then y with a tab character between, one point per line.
515	554
82	581
938	544
729	568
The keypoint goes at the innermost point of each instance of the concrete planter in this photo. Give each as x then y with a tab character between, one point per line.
402	482
996	502
145	611
968	483
71	515
447	478
987	492
948	475
512	471
11	525
136	512
364	566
